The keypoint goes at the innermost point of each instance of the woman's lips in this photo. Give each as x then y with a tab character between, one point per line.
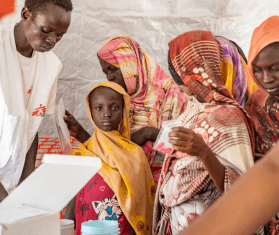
47	48
272	90
107	123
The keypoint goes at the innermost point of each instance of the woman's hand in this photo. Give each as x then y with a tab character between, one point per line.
75	128
145	134
189	142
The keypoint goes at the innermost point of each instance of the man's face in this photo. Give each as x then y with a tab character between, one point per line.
47	27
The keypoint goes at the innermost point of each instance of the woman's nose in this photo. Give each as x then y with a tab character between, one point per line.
267	77
52	40
110	76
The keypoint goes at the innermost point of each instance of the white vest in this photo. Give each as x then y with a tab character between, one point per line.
19	123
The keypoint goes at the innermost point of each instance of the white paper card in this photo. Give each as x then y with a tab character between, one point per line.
54	183
14	213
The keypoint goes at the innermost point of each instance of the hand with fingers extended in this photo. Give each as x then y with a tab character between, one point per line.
75	128
189	142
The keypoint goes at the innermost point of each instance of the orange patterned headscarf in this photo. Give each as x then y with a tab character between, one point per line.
263	35
124	167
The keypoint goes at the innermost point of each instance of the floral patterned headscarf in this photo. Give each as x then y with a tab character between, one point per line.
154	97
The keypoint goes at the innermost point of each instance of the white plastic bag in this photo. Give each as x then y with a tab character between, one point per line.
61	128
162	143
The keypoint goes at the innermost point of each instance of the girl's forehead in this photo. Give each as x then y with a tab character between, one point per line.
105	93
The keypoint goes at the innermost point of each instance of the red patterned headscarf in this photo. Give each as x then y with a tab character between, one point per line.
196	57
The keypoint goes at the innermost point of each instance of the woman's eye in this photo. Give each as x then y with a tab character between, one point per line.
45	31
257	70
98	108
114	108
113	69
276	69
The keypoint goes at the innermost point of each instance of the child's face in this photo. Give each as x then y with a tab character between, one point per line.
106	107
47	27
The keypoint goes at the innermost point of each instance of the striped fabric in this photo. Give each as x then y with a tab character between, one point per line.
212	54
197	57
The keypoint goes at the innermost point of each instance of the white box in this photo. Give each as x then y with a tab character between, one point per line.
33	208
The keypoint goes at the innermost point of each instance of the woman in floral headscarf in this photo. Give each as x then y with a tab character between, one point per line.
213	148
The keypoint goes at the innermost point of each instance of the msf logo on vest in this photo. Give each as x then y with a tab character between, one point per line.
39	112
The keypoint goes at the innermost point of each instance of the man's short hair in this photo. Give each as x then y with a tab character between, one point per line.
35	6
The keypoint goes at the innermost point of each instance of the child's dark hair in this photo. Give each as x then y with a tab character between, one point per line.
35	6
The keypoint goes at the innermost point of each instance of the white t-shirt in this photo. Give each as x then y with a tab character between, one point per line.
28	69
21	113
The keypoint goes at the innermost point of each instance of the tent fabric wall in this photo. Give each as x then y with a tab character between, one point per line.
152	23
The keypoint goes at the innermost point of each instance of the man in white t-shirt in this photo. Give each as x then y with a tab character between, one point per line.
28	81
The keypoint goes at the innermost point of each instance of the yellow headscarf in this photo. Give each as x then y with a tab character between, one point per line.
125	167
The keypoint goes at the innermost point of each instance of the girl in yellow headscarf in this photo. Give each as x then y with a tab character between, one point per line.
124	189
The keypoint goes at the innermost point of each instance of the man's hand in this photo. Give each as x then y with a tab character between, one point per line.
30	159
